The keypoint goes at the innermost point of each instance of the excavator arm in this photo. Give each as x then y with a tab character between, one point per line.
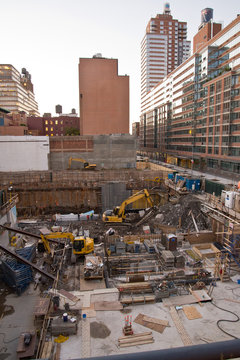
139	195
118	213
86	164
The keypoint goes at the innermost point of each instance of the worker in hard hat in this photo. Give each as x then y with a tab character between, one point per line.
239	186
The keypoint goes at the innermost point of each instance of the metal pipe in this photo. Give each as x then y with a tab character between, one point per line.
213	351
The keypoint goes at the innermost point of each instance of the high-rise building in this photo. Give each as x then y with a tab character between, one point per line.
163	48
193	115
103	97
16	90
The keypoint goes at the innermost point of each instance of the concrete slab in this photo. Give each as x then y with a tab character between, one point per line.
198	329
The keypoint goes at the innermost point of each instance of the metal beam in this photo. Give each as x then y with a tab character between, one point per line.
20	258
28	234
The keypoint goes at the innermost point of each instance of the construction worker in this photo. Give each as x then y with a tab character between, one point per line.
239	185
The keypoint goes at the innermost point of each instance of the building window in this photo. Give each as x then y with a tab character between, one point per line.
51	134
56	122
51	128
46	122
46	129
51	122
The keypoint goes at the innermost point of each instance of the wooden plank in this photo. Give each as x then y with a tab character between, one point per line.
156	321
180	328
191	312
68	295
108	305
138	338
196	296
136	335
137	343
58	352
47	350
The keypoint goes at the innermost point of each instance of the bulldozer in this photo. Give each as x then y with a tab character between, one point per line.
119	213
86	165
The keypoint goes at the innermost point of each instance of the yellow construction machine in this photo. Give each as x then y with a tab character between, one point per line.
118	214
80	245
86	164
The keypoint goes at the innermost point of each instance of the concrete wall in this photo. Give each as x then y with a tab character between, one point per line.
106	151
24	153
113	194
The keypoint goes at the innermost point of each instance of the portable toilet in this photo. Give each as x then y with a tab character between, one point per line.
229	199
171	242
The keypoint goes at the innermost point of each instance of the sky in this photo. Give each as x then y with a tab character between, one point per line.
48	37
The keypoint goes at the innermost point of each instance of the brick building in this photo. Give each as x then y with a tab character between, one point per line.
14	124
207	30
103	97
193	115
54	126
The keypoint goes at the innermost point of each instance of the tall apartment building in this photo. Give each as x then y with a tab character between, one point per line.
193	115
163	48
16	90
103	97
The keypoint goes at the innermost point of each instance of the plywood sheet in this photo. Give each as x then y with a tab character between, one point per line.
41	307
108	305
89	311
191	312
153	326
155	320
201	295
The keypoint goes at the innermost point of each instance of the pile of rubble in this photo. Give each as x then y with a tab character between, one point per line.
180	213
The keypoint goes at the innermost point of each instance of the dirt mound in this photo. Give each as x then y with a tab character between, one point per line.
99	330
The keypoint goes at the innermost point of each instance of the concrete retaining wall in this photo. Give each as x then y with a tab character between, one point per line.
106	151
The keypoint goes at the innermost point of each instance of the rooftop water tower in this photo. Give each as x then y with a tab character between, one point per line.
59	109
206	15
166	9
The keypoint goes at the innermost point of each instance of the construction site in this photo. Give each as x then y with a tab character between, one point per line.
123	263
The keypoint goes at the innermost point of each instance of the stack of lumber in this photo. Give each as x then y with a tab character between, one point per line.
136	287
149	246
136	339
137	299
168	259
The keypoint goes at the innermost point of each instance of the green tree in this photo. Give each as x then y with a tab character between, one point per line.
71	131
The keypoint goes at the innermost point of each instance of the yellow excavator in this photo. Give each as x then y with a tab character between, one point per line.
80	245
118	214
86	164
